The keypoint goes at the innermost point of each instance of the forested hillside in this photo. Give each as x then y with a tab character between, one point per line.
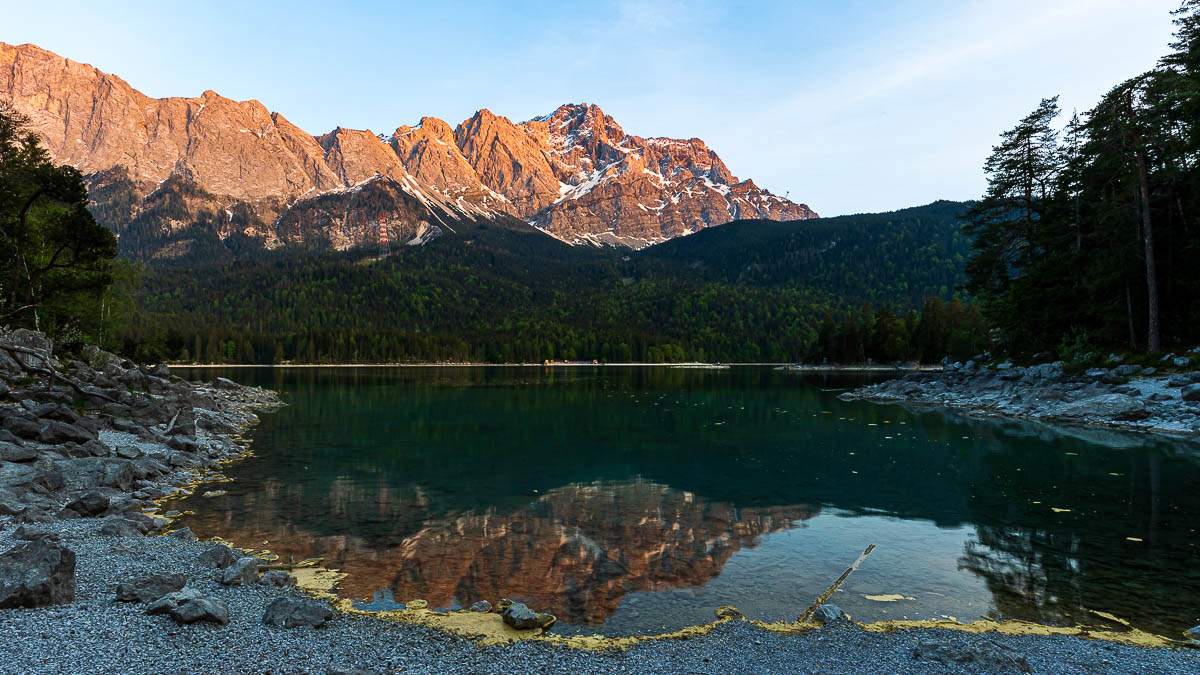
847	290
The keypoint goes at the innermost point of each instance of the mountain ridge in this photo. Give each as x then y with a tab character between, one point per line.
573	174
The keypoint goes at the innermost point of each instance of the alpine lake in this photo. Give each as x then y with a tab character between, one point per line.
635	500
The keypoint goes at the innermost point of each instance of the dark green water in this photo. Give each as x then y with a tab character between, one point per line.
636	499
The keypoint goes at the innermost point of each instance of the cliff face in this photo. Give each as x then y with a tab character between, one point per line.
575	173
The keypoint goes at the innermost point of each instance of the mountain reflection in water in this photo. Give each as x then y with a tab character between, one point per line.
633	499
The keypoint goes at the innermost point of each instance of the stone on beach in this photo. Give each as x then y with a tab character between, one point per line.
189	606
149	587
289	612
243	572
35	574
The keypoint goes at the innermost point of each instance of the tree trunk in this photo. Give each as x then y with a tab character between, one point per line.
1153	340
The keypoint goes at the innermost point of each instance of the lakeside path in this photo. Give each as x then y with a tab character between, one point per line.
91	449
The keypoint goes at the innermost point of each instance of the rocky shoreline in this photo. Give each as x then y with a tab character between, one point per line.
1128	396
93	578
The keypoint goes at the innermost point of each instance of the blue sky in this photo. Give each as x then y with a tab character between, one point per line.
847	105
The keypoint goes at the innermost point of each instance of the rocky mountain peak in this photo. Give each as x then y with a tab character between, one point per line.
574	173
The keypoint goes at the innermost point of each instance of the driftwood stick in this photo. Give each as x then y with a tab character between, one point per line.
808	613
172	424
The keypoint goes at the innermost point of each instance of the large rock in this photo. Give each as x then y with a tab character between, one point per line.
971	655
829	614
120	527
189	606
149	587
36	574
289	612
54	432
1105	406
89	504
520	616
217	555
278	579
11	452
243	572
21	426
11	504
38	342
1191	392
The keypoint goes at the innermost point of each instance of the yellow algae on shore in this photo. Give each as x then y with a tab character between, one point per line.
1132	636
888	597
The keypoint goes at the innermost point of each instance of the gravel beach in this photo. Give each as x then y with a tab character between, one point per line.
95	634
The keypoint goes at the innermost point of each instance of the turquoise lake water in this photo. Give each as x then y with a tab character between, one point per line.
633	500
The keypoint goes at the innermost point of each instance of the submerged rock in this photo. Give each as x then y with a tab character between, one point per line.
291	612
149	587
36	574
189	606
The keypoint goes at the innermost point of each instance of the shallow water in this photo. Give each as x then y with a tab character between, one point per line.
631	500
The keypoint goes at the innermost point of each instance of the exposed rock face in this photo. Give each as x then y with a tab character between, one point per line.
159	167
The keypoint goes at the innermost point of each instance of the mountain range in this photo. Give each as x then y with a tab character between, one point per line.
167	173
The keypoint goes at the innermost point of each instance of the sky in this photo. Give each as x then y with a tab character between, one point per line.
849	106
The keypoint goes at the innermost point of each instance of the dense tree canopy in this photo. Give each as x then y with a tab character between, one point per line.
57	262
1086	238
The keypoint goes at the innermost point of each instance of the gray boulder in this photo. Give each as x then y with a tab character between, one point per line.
217	555
960	655
288	612
1127	370
28	534
183	534
481	606
54	432
36	574
149	587
829	614
1110	406
11	452
16	475
20	425
189	606
10	504
243	572
89	504
1191	392
1181	362
519	616
278	579
120	527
